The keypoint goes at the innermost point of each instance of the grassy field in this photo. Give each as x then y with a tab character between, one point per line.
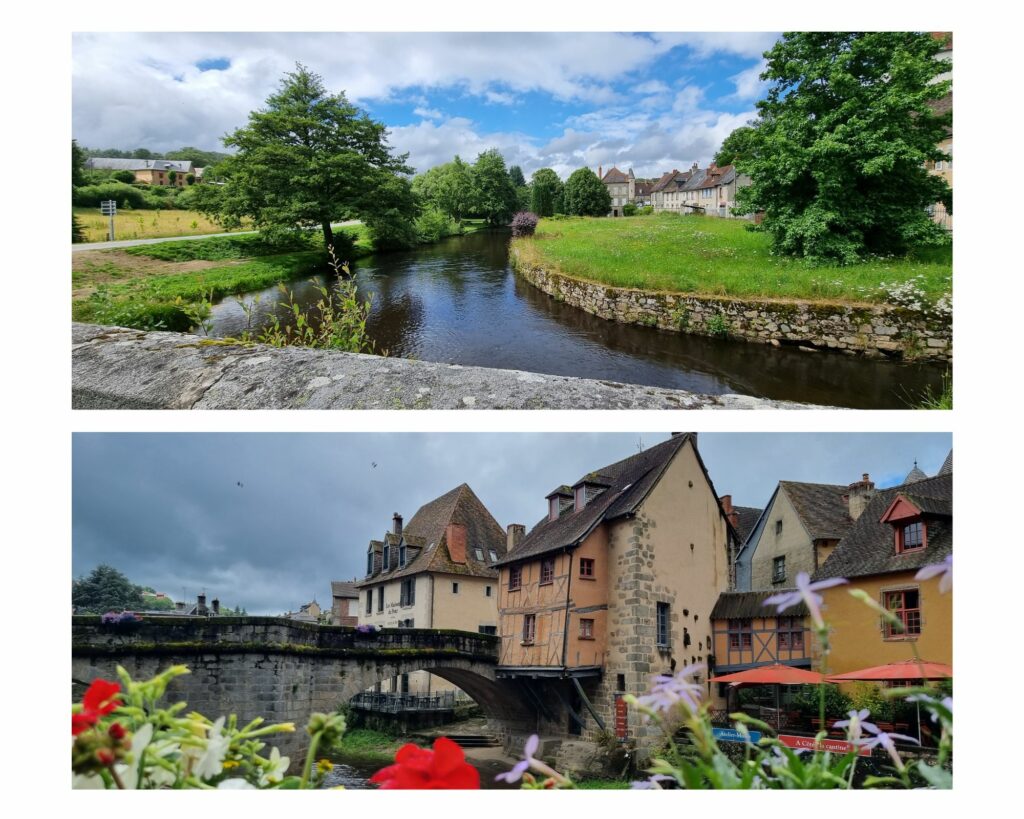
719	257
145	224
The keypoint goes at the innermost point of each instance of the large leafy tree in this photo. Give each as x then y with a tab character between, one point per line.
736	147
448	187
77	165
545	192
306	159
838	155
586	195
494	195
105	589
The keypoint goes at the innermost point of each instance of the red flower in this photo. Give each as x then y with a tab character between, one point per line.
101	698
444	768
81	722
116	731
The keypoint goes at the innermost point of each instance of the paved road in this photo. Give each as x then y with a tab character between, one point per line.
77	248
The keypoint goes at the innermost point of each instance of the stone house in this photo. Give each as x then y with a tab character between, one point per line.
621	188
344	603
898	532
667	193
147	171
439	571
615	584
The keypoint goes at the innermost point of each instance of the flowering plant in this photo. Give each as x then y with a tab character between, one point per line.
116	618
443	768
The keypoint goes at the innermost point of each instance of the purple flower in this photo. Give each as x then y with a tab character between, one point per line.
886	741
651	783
110	617
857	721
806	592
523	765
946	702
668	691
945	568
366	628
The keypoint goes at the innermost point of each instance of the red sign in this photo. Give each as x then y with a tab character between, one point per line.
836	746
621	720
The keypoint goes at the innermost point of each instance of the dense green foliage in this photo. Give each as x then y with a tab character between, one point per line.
838	153
432	225
309	158
494	193
546	193
77	165
586	195
447	187
105	589
713	256
198	157
222	247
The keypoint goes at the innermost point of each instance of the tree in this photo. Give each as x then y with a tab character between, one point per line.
515	175
736	147
306	159
447	187
838	156
586	195
546	192
495	197
197	156
105	589
77	165
143	153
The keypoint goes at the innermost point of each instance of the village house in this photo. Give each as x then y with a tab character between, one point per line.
174	172
344	603
438	571
616	583
621	188
898	532
667	191
308	612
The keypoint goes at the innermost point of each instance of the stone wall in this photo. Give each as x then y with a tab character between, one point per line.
856	329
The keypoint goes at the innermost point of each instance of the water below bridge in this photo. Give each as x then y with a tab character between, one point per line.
460	302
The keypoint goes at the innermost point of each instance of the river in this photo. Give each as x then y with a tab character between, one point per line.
460	302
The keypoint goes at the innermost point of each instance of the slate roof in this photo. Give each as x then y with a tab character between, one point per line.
748	517
669	177
105	163
821	508
425	533
715	176
915	474
630	481
744	605
868	548
344	588
614	176
947	465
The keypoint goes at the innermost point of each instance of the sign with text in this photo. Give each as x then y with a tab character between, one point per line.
621	719
108	207
836	746
732	735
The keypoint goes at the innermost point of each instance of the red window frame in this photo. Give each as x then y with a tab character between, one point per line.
547	571
587	568
741	634
895	601
515	578
529	628
586	628
920	534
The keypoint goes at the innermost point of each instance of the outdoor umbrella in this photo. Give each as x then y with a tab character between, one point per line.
902	670
777	675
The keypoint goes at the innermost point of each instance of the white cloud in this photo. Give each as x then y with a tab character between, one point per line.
499	97
749	85
428	113
651	87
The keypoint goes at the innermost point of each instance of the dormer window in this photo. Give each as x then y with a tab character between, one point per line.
559	502
493	554
387	557
401	556
369	564
478	553
910	537
585	491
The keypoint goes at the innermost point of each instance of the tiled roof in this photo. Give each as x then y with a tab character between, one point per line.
821	508
947	465
117	164
915	474
343	588
869	546
615	176
426	533
743	605
630	482
748	516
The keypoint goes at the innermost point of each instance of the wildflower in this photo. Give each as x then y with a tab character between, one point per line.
524	764
276	768
651	783
806	592
366	628
945	568
324	766
668	691
856	722
945	702
211	763
234	785
443	768
100	699
116	731
887	742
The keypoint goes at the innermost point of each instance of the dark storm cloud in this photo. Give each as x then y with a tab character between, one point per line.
167	509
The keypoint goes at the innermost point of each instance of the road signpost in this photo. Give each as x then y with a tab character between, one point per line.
108	207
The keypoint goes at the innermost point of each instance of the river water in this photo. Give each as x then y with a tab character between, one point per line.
460	302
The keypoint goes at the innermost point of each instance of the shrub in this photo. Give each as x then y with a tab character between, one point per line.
524	223
432	225
629	209
90	196
647	210
123	176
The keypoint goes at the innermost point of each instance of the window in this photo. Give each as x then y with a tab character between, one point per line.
779	569
455	587
369	601
408	623
906	605
515	578
387	558
369	564
778	528
910	537
790	634
529	628
408	593
493	555
547	570
663	625
620	682
478	553
587	567
581	497
554	508
586	629
741	634
380	598
405	683
487	591
401	556
488	629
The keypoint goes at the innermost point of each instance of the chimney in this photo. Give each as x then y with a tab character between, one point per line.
600	172
515	533
695	167
179	606
455	535
860	495
201	604
396	521
730	512
216	607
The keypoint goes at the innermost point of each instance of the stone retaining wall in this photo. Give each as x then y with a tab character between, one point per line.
862	329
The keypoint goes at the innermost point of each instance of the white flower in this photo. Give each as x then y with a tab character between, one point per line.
277	768
235	785
83	782
212	761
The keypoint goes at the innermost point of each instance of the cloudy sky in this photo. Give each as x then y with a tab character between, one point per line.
167	510
652	102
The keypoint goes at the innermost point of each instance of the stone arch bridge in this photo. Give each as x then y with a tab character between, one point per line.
284	670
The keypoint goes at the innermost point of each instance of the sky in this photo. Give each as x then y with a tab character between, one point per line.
168	511
652	102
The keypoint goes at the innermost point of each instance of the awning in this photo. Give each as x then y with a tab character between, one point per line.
902	670
772	675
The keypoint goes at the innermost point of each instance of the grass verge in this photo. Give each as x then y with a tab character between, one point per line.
367	745
722	257
145	224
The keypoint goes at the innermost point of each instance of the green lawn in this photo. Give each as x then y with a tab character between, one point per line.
719	257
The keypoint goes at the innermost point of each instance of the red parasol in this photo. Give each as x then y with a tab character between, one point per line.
772	675
902	670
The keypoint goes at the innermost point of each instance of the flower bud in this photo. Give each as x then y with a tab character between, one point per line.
105	756
116	731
